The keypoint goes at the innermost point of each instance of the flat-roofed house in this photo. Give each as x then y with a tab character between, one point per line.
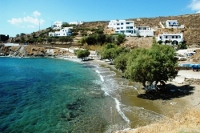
144	31
127	28
62	32
173	24
122	26
170	38
57	25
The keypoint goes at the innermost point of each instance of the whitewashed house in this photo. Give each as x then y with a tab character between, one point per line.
63	32
144	31
127	28
122	26
170	38
57	25
76	23
173	24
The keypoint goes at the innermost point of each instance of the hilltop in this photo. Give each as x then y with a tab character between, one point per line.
191	32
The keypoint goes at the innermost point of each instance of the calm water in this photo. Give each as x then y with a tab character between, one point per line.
52	95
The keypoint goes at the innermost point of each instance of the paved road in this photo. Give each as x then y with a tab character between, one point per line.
182	74
189	74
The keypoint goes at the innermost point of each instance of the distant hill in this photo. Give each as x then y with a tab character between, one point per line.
191	31
191	22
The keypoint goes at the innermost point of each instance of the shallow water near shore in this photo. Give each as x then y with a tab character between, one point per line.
54	95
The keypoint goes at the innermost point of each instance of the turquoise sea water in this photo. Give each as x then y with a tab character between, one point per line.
53	95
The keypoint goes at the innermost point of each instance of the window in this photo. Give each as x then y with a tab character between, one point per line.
176	36
165	36
118	28
121	27
172	36
127	23
131	27
117	23
174	23
129	31
122	23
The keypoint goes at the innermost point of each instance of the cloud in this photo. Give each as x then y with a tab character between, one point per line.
32	20
28	21
195	5
15	21
36	13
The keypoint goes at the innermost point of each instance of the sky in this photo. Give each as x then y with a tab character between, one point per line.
27	16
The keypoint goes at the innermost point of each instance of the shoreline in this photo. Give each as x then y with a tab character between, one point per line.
167	107
172	106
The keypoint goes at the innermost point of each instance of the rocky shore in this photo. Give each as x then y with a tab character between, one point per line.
174	105
34	51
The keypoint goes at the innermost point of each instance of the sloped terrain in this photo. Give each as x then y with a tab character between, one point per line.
191	31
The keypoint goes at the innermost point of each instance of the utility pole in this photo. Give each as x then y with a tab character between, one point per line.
39	25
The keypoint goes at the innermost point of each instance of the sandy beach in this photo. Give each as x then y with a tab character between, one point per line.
181	95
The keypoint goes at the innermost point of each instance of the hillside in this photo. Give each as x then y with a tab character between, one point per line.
191	22
191	31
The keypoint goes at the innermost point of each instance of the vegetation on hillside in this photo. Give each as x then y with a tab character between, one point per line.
148	66
82	53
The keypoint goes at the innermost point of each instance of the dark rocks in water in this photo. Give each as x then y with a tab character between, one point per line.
75	105
63	116
73	114
75	110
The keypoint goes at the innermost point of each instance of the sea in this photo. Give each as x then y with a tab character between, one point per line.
49	95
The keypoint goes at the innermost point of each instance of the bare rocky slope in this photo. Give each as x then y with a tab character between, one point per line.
33	51
191	31
191	22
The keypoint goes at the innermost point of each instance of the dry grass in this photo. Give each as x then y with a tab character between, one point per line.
135	42
186	122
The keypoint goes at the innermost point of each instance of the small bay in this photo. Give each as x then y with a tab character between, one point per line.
53	95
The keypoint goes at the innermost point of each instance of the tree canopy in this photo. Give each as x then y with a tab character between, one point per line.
111	51
82	53
148	65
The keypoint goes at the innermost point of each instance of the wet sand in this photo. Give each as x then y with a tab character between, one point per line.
145	108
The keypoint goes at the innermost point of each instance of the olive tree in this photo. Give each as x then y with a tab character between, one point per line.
111	51
120	61
152	66
82	53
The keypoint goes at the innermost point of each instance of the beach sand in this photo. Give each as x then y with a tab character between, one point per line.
182	95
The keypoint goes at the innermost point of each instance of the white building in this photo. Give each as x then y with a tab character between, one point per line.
76	23
144	31
122	26
128	28
63	32
170	38
57	25
173	24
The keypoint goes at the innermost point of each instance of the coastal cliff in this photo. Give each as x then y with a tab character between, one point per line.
34	51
